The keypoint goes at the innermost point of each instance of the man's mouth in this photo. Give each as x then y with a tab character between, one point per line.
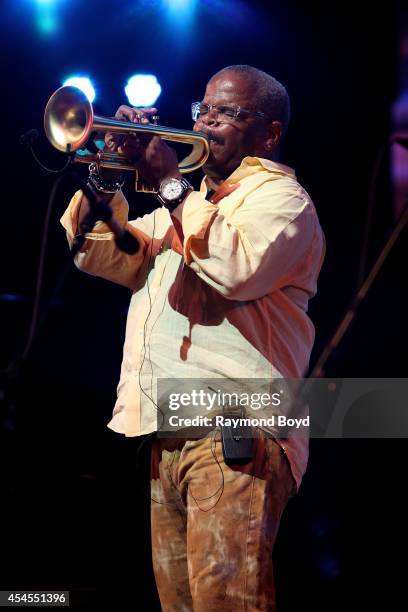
213	139
214	144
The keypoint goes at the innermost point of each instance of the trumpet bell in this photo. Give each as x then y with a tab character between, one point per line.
68	119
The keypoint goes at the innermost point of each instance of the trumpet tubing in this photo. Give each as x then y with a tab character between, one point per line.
69	123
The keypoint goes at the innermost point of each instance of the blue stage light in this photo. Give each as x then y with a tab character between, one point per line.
142	90
180	9
84	84
179	4
47	20
47	24
180	16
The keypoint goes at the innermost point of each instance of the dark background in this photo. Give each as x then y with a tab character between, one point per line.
74	508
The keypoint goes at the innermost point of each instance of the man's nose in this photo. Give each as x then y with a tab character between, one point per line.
211	117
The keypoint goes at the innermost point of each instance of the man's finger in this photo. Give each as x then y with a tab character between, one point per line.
143	114
136	115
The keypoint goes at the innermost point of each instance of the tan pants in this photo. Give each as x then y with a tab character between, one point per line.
214	526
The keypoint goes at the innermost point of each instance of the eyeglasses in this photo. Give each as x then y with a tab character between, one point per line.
224	114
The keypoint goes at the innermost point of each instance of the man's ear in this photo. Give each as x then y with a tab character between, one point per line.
274	136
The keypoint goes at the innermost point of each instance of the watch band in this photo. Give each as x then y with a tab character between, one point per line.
172	204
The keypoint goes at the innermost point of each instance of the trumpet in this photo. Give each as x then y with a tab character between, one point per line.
72	127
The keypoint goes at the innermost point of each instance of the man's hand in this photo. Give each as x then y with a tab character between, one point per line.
128	141
150	155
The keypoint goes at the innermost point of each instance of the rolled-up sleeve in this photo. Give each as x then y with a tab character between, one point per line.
261	246
99	256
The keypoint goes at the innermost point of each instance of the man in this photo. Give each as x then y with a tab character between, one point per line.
220	284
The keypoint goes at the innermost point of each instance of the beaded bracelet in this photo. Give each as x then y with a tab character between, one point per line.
101	185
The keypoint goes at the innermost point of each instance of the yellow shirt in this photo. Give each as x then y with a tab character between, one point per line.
219	290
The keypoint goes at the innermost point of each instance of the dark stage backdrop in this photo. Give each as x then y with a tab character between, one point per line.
74	508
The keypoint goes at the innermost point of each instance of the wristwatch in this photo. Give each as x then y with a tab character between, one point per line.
172	192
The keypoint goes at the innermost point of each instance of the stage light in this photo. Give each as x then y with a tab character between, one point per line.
46	19
47	24
142	90
180	9
179	4
180	15
84	84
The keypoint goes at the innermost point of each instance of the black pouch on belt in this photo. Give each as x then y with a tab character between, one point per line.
237	445
237	439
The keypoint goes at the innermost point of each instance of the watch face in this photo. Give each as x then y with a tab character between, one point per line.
172	189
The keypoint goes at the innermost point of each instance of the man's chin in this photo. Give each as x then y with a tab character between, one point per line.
214	171
214	167
218	169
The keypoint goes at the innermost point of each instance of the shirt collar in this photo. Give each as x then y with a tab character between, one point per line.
248	166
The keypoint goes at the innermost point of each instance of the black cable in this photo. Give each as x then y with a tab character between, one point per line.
145	347
99	209
27	140
33	327
51	170
157	407
222	485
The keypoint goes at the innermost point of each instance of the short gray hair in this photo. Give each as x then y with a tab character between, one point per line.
271	96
